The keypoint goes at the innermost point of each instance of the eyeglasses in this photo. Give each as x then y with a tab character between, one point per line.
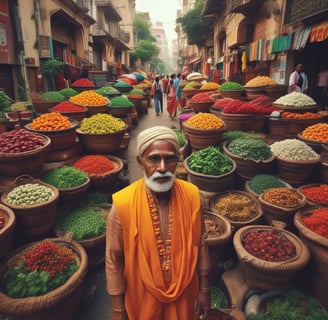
155	160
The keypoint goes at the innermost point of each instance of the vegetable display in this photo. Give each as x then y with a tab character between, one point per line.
5	102
65	177
283	197
262	182
30	194
84	223
181	137
269	245
293	149
317	221
40	269
68	92
210	161
317	132
249	148
205	121
102	123
20	140
89	98
236	207
121	101
19	106
210	86
50	122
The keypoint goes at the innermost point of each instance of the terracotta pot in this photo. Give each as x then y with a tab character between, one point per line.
276	91
78	116
266	275
244	122
308	201
232	94
92	110
298	109
254	92
201	139
276	128
209	182
249	168
101	143
317	146
201	106
41	107
7	231
29	162
80	89
74	194
323	172
119	112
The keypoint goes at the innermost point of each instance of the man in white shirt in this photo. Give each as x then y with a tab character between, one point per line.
298	80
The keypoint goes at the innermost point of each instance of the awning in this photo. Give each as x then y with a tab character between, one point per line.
300	38
282	43
194	61
319	32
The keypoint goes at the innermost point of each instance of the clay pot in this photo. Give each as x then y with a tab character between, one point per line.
276	90
201	106
78	116
232	94
92	110
41	107
244	122
119	112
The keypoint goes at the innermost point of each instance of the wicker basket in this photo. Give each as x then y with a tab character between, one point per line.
61	303
266	275
7	231
32	220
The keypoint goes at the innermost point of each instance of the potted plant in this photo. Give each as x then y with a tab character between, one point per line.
51	69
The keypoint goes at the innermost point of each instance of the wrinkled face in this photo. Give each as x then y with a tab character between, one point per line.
159	162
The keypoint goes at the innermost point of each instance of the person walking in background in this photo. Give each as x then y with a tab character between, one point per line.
157	260
298	80
156	92
321	90
172	102
178	92
165	82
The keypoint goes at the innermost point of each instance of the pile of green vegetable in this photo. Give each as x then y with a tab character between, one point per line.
84	223
262	182
121	101
102	123
230	85
5	102
52	96
249	148
68	92
66	177
210	161
181	137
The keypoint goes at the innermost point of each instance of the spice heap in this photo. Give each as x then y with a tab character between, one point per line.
210	161
213	229
66	177
295	99
236	207
269	245
40	269
89	98
102	123
201	97
283	197
67	107
317	221
30	194
121	101
260	81
68	92
84	223
296	115
293	149
20	140
95	165
241	107
83	82
205	121
250	148
231	86
108	90
317	132
210	86
317	193
50	122
262	182
50	96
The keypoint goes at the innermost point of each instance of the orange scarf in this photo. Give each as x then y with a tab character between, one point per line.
147	297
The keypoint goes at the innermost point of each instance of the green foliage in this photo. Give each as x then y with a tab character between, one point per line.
5	102
194	26
142	28
52	67
145	51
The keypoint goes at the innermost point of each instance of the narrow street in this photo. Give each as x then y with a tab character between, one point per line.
96	304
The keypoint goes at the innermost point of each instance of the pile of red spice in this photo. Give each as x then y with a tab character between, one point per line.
83	82
66	106
317	194
201	97
317	221
94	164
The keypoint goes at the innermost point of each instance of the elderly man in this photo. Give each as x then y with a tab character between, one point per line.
156	255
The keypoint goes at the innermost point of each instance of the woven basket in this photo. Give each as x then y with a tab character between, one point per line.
62	303
238	224
33	220
7	231
74	194
266	275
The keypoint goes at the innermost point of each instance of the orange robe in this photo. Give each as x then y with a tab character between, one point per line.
147	297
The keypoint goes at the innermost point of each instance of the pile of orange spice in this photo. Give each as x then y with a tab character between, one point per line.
94	164
317	221
50	122
317	194
317	132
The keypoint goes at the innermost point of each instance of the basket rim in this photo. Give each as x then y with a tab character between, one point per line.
245	193
80	132
76	188
243	115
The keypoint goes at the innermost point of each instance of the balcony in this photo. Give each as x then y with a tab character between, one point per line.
245	7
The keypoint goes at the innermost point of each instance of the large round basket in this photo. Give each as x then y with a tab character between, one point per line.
323	171
202	138
296	172
238	222
80	89
232	94
218	232
266	275
32	220
60	139
92	110
255	194
119	112
211	183
254	92
244	122
249	168
107	181
316	145
29	162
8	219
201	106
41	107
74	194
276	90
298	109
278	213
77	115
101	143
317	244
61	303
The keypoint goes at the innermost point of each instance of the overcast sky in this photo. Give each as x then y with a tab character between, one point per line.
164	11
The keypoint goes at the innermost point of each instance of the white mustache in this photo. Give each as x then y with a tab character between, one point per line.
162	175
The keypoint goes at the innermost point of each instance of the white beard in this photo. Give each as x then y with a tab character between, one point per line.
155	186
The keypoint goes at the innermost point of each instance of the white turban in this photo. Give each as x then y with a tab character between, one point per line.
150	135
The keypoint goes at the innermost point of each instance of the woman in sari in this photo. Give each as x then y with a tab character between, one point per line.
172	102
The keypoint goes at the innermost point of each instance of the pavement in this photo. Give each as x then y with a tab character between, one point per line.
96	303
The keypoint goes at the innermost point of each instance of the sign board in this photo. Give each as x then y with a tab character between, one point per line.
44	47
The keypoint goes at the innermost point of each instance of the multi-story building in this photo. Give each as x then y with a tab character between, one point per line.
87	35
